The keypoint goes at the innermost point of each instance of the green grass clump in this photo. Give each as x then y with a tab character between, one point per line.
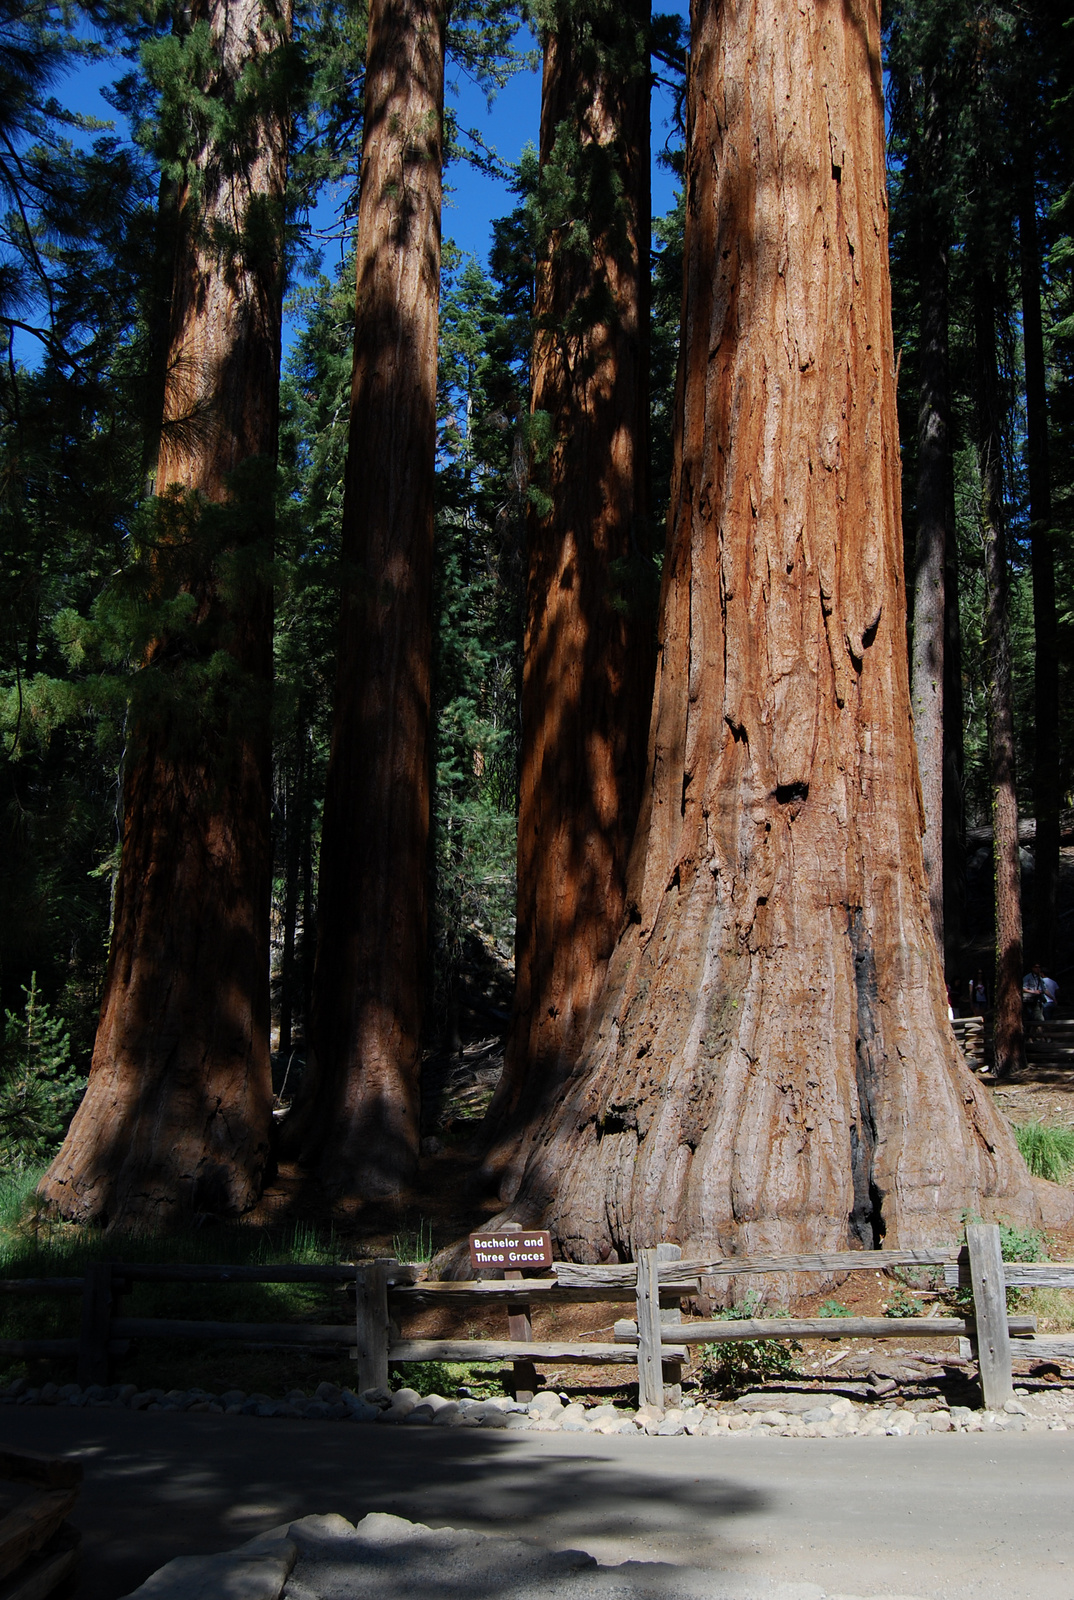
1047	1152
833	1308
415	1246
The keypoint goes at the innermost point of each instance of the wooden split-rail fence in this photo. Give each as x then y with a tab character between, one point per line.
656	1339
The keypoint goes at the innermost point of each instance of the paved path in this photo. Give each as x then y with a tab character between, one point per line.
954	1517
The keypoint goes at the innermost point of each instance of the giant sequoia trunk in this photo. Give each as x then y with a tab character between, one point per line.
772	1065
1007	1029
362	1117
176	1117
589	640
1046	769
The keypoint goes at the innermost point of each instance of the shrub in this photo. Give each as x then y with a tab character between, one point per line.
734	1365
902	1304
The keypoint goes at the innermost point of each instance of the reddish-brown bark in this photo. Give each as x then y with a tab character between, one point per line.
772	1067
361	1113
589	640
177	1114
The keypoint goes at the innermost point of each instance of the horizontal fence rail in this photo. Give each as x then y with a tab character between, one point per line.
737	1329
656	1343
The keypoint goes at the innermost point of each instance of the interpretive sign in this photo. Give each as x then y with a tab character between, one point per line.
511	1250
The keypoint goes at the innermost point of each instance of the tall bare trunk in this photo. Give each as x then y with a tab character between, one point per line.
927	678
954	752
177	1113
589	640
1007	1026
772	1065
1046	775
362	1121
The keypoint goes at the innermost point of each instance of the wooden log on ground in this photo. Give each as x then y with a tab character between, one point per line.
1045	1347
278	1333
42	1575
562	1353
733	1331
48	1472
31	1524
990	1313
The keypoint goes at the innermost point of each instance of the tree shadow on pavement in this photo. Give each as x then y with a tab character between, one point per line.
163	1485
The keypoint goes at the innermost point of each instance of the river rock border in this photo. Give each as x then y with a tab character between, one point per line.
815	1415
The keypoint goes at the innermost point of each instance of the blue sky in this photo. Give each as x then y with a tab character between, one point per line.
473	199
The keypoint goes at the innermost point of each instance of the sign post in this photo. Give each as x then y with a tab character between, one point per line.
511	1249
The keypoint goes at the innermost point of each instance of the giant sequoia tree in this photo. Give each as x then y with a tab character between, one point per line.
177	1113
361	1113
588	656
772	1065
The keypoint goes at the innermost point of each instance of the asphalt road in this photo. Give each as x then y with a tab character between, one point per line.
987	1516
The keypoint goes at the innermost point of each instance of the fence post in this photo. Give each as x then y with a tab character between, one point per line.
990	1313
96	1323
520	1327
371	1325
671	1370
650	1374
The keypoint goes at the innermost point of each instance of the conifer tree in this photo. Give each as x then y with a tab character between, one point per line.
771	1066
176	1117
361	1092
588	652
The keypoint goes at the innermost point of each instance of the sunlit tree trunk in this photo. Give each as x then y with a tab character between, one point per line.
590	628
772	1066
177	1115
361	1112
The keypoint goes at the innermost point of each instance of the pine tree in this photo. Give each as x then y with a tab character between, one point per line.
176	1117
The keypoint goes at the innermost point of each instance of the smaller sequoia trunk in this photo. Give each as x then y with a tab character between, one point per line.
589	644
927	678
1047	787
1007	1027
177	1114
360	1120
772	1066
